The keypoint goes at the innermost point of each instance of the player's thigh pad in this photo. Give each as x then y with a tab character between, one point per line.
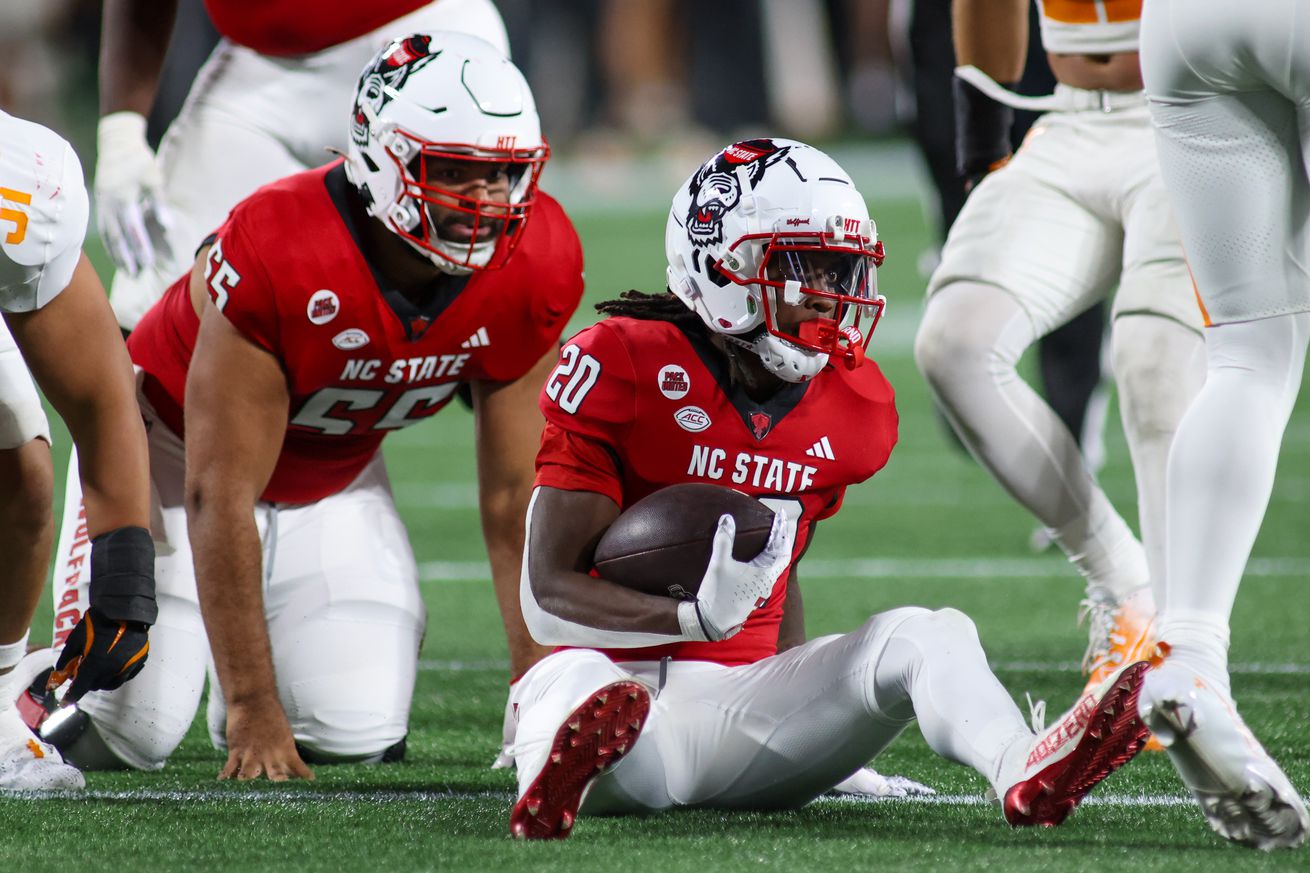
1042	228
345	618
22	418
773	734
143	721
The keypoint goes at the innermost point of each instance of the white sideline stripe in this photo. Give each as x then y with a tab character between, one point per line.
901	568
282	797
1255	668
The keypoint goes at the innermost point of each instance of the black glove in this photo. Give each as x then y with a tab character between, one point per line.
982	132
109	645
100	655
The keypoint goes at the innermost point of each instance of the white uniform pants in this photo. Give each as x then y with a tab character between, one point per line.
779	732
341	598
251	119
1230	98
22	418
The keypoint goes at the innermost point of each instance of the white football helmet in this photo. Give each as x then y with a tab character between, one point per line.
769	228
440	97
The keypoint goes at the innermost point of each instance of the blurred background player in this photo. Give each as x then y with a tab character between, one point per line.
63	333
435	261
267	103
1078	212
772	263
1229	88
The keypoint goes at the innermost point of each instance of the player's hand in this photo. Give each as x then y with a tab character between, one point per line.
732	589
100	655
129	188
260	743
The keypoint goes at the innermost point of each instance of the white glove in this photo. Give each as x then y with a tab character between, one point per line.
129	193
732	589
867	782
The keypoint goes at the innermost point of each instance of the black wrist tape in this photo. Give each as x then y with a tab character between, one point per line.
123	575
982	129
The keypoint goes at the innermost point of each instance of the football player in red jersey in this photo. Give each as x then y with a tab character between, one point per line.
752	374
330	309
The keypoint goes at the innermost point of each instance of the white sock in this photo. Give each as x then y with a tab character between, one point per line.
1221	473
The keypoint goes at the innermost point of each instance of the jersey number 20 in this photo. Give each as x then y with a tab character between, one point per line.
572	378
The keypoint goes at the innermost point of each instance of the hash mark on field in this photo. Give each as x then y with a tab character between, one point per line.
1003	569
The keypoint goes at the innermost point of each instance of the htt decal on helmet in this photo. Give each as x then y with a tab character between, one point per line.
404	58
716	189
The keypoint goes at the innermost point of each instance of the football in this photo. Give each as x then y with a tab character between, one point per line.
662	543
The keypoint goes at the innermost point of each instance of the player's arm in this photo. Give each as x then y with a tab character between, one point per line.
133	42
75	352
236	418
564	605
791	630
991	35
508	426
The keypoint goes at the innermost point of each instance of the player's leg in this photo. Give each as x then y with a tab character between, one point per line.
1232	157
139	725
345	620
26	530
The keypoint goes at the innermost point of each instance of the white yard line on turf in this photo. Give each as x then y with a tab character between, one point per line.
902	568
310	796
1239	669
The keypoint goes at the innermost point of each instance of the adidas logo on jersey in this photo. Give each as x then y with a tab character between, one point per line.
821	449
477	341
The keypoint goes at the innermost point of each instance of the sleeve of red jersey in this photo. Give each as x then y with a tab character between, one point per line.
239	285
589	403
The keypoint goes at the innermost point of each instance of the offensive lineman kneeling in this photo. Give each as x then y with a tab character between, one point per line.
771	247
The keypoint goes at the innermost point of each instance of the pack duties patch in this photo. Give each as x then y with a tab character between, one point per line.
674	383
715	190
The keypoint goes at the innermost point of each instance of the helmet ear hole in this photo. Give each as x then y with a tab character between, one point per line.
718	278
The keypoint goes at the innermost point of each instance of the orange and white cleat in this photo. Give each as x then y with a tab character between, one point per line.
593	738
1117	634
1102	732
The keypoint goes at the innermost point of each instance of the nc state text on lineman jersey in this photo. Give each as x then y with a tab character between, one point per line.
405	369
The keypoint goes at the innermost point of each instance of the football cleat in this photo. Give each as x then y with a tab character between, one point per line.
1118	633
1244	795
593	738
868	782
1100	734
27	763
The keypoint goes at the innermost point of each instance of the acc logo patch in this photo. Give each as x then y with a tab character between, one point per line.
692	418
323	306
674	382
353	338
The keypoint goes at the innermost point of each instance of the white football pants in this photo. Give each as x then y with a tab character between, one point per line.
1078	213
1229	86
780	732
341	598
251	119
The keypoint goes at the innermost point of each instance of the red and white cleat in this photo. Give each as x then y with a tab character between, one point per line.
1100	734
591	740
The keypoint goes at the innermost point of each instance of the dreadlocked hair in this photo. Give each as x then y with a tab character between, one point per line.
652	307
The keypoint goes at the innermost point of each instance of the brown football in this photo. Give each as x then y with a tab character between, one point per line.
661	544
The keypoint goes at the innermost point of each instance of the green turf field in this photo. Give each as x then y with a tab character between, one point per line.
931	529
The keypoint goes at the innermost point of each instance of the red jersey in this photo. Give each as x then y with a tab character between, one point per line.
287	271
295	27
635	406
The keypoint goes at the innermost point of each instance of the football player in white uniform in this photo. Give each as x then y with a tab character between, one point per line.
60	327
1229	88
1078	212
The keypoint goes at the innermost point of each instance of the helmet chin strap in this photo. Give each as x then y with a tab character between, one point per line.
788	362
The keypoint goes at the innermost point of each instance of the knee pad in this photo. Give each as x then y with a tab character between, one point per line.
342	718
937	627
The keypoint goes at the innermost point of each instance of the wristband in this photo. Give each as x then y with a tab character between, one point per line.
982	130
690	623
123	575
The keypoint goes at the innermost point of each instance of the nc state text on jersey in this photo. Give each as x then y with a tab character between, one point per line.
405	369
757	471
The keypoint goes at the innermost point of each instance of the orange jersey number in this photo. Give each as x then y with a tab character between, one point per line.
17	216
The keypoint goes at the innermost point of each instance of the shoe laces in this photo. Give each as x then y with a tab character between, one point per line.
1036	713
1104	639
